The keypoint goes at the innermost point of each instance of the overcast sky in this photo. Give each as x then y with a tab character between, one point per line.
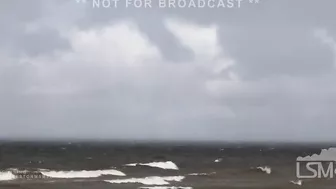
263	71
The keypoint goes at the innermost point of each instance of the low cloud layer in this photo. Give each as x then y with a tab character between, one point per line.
126	75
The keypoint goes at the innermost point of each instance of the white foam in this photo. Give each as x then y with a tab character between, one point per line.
197	174
82	173
146	181
12	169
298	182
201	174
165	187
265	169
7	175
154	180
132	164
218	160
162	165
17	171
174	178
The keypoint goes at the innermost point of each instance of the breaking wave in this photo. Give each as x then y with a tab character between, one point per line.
153	180
201	174
265	169
218	160
162	165
81	174
298	182
7	175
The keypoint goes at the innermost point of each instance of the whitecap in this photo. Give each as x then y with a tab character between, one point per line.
197	174
218	160
133	164
162	165
7	175
298	182
265	169
153	180
201	174
173	178
81	174
146	181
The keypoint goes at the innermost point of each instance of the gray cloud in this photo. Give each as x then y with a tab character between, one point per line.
23	26
61	76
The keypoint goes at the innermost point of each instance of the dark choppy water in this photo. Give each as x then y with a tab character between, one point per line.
236	165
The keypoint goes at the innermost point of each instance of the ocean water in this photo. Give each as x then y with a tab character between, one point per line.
72	165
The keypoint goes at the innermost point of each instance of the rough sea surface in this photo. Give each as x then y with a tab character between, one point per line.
72	165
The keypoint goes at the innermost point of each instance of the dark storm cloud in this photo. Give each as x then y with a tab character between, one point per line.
61	87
